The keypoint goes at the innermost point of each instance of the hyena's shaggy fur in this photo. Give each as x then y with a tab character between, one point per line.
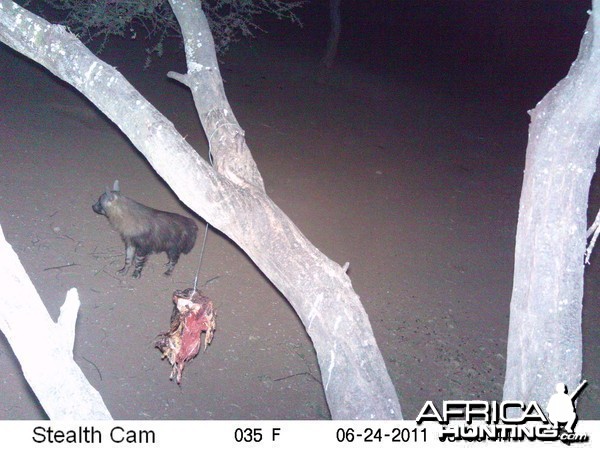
145	230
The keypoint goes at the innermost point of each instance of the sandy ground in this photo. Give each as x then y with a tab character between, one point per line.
415	184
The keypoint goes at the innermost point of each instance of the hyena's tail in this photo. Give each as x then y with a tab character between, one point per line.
188	238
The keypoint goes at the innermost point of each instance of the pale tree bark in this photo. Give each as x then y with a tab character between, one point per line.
545	337
45	348
231	197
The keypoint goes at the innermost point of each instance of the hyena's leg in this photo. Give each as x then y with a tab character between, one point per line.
129	254
139	261
173	255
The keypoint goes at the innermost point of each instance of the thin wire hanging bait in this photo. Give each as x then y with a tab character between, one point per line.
210	160
201	256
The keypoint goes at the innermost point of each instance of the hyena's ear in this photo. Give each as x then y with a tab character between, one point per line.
116	186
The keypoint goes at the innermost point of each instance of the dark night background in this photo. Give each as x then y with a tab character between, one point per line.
508	50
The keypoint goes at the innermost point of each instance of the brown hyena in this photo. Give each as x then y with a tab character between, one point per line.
145	230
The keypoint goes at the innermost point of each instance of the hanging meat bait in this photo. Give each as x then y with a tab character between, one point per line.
193	314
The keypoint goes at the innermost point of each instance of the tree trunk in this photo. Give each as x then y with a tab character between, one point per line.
45	348
544	341
334	33
231	197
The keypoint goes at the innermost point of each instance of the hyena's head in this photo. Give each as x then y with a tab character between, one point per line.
107	200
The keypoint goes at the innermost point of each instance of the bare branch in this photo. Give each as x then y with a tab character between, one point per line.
595	231
45	348
182	78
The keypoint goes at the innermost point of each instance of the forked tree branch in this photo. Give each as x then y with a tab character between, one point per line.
45	348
